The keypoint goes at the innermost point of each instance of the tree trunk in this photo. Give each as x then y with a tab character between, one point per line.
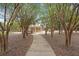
1	43
26	31
45	31
68	39
4	44
70	35
59	31
6	40
52	31
59	27
24	34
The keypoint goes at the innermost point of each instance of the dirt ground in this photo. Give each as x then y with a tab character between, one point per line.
17	45
58	44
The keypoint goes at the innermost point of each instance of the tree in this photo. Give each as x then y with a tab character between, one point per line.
27	17
43	17
5	29
15	27
52	17
69	18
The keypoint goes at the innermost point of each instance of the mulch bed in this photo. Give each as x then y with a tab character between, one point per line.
18	46
58	44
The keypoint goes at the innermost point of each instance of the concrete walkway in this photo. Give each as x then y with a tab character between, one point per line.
40	47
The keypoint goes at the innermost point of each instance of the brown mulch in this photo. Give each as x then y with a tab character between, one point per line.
58	44
17	45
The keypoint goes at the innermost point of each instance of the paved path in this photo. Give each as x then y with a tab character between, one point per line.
40	47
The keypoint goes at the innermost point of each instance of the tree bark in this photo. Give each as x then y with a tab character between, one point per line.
1	43
52	31
26	33
4	44
59	32
23	32
68	39
6	40
59	27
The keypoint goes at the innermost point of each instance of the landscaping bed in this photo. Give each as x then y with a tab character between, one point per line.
58	44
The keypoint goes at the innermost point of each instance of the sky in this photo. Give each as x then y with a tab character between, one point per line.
2	15
1	19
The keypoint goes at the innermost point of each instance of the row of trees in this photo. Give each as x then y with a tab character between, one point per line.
65	15
16	16
69	19
51	16
27	14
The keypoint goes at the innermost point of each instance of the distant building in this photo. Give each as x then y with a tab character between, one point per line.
35	28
